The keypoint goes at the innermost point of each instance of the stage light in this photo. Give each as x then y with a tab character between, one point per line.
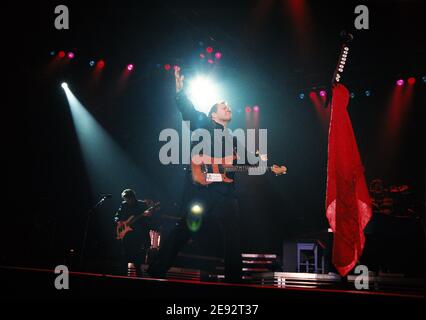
367	93
411	80
52	53
202	56
210	61
203	93
91	63
323	93
248	109
209	49
400	82
64	85
256	109
195	217
71	55
130	67
197	209
301	96
424	79
352	95
61	54
100	64
167	67
218	55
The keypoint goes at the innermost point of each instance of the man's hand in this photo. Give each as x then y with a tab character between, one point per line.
179	79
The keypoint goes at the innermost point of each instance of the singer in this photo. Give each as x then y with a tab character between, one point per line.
135	243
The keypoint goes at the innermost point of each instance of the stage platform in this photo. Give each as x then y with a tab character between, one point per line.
185	284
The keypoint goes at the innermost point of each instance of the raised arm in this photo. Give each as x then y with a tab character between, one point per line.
198	119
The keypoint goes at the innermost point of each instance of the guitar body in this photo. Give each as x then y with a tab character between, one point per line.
123	227
202	168
206	170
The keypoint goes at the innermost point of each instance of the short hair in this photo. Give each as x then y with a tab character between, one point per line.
128	193
214	107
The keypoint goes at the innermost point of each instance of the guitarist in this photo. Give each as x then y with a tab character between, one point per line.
135	243
218	199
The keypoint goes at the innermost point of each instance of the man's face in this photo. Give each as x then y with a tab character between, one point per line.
129	199
223	112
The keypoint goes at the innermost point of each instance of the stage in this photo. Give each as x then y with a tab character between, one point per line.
184	285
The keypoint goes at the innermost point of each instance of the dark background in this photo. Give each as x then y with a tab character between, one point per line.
265	62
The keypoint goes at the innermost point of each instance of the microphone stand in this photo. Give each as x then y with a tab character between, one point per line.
90	213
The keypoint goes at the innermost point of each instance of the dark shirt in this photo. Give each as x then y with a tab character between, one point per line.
126	210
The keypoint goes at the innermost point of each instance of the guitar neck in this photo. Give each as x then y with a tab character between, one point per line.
141	215
245	168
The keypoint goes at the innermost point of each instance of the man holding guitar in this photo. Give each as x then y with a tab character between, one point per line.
132	227
211	195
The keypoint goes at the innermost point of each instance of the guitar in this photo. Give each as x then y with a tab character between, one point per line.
123	227
206	170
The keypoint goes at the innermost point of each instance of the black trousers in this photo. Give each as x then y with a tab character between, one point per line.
134	248
215	205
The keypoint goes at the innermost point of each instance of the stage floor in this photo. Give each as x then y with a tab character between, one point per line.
183	284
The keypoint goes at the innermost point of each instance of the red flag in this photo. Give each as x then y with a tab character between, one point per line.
348	204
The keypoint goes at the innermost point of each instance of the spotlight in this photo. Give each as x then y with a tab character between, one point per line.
64	85
210	61
400	82
202	56
411	80
100	64
197	209
218	55
248	109
352	95
52	53
195	217
323	93
167	67
130	67
367	93
91	63
301	96
203	93
61	54
256	109
424	79
209	49
71	55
